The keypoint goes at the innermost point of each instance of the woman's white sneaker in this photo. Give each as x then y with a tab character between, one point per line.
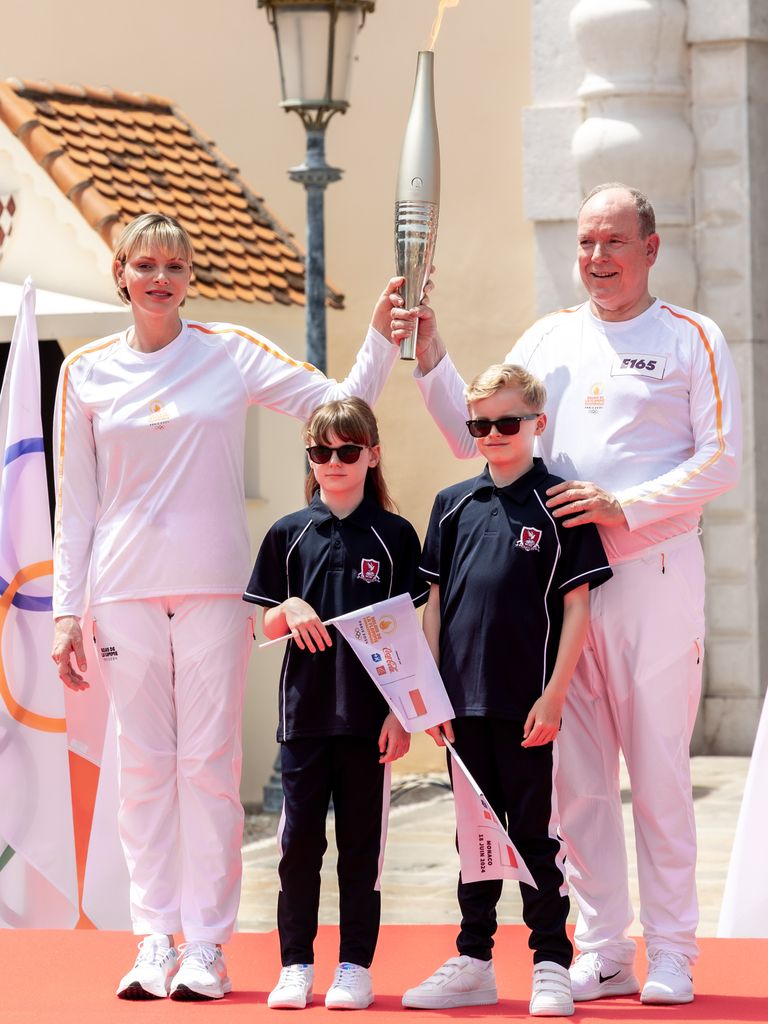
460	981
202	973
351	988
551	995
669	978
150	977
594	976
293	990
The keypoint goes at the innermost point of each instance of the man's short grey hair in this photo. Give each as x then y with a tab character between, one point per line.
645	212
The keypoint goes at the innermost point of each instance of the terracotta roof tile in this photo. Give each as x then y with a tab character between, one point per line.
117	154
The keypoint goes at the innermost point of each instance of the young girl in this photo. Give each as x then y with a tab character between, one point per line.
345	550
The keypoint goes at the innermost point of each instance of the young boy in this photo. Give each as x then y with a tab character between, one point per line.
506	619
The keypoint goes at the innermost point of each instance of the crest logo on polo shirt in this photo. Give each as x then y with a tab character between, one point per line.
529	539
369	570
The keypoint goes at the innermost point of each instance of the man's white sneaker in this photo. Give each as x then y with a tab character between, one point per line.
202	973
594	976
551	991
151	975
293	990
669	978
461	981
351	988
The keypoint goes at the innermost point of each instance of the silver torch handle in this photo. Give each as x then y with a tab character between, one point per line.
415	236
417	197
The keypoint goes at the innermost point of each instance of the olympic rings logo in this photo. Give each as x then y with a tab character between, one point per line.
42	723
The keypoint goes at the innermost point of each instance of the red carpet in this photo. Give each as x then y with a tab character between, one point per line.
70	978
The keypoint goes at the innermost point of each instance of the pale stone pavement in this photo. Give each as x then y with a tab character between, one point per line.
419	879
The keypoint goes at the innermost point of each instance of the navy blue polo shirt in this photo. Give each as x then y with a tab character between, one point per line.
335	565
503	563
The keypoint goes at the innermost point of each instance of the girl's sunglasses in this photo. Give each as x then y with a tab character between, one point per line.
507	425
321	453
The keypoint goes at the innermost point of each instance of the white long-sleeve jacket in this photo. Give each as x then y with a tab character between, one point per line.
649	409
150	449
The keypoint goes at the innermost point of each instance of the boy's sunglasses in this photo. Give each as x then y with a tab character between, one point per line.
321	453
507	425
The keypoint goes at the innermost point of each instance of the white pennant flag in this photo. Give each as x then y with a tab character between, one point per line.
38	879
485	849
388	640
744	911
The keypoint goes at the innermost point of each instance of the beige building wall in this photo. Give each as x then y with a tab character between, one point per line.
218	63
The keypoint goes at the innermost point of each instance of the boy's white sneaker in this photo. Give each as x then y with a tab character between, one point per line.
351	988
293	990
460	981
669	978
202	973
595	976
551	995
150	976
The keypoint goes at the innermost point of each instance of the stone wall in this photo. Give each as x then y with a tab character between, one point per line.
672	97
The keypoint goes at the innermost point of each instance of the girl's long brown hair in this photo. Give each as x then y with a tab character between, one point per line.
352	421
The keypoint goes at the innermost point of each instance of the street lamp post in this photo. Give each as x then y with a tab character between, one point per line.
315	50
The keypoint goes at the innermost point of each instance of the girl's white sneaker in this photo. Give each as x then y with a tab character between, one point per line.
351	988
293	990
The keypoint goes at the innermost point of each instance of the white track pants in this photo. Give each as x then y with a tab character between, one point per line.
175	669
636	689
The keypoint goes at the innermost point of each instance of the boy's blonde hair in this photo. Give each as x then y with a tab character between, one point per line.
505	375
352	420
150	230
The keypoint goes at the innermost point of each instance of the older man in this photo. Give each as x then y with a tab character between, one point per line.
644	426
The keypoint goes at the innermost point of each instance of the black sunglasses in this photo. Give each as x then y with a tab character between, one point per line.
507	425
321	453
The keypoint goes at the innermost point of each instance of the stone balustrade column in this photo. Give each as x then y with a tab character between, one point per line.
729	94
635	127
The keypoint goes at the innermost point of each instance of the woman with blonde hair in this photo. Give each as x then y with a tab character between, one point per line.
151	530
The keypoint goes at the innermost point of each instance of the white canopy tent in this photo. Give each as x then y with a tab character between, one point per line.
62	316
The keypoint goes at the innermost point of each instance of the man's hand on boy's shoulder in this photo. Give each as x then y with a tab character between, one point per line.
585	502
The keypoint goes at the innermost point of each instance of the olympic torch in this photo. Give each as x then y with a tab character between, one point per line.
417	200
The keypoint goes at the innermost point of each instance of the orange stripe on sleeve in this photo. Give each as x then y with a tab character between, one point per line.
62	425
718	411
255	341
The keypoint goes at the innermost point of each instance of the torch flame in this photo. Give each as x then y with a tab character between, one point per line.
444	5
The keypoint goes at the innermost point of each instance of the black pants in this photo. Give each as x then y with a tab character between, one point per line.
314	770
518	784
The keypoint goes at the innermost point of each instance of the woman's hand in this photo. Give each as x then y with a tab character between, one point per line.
68	642
389	299
394	741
